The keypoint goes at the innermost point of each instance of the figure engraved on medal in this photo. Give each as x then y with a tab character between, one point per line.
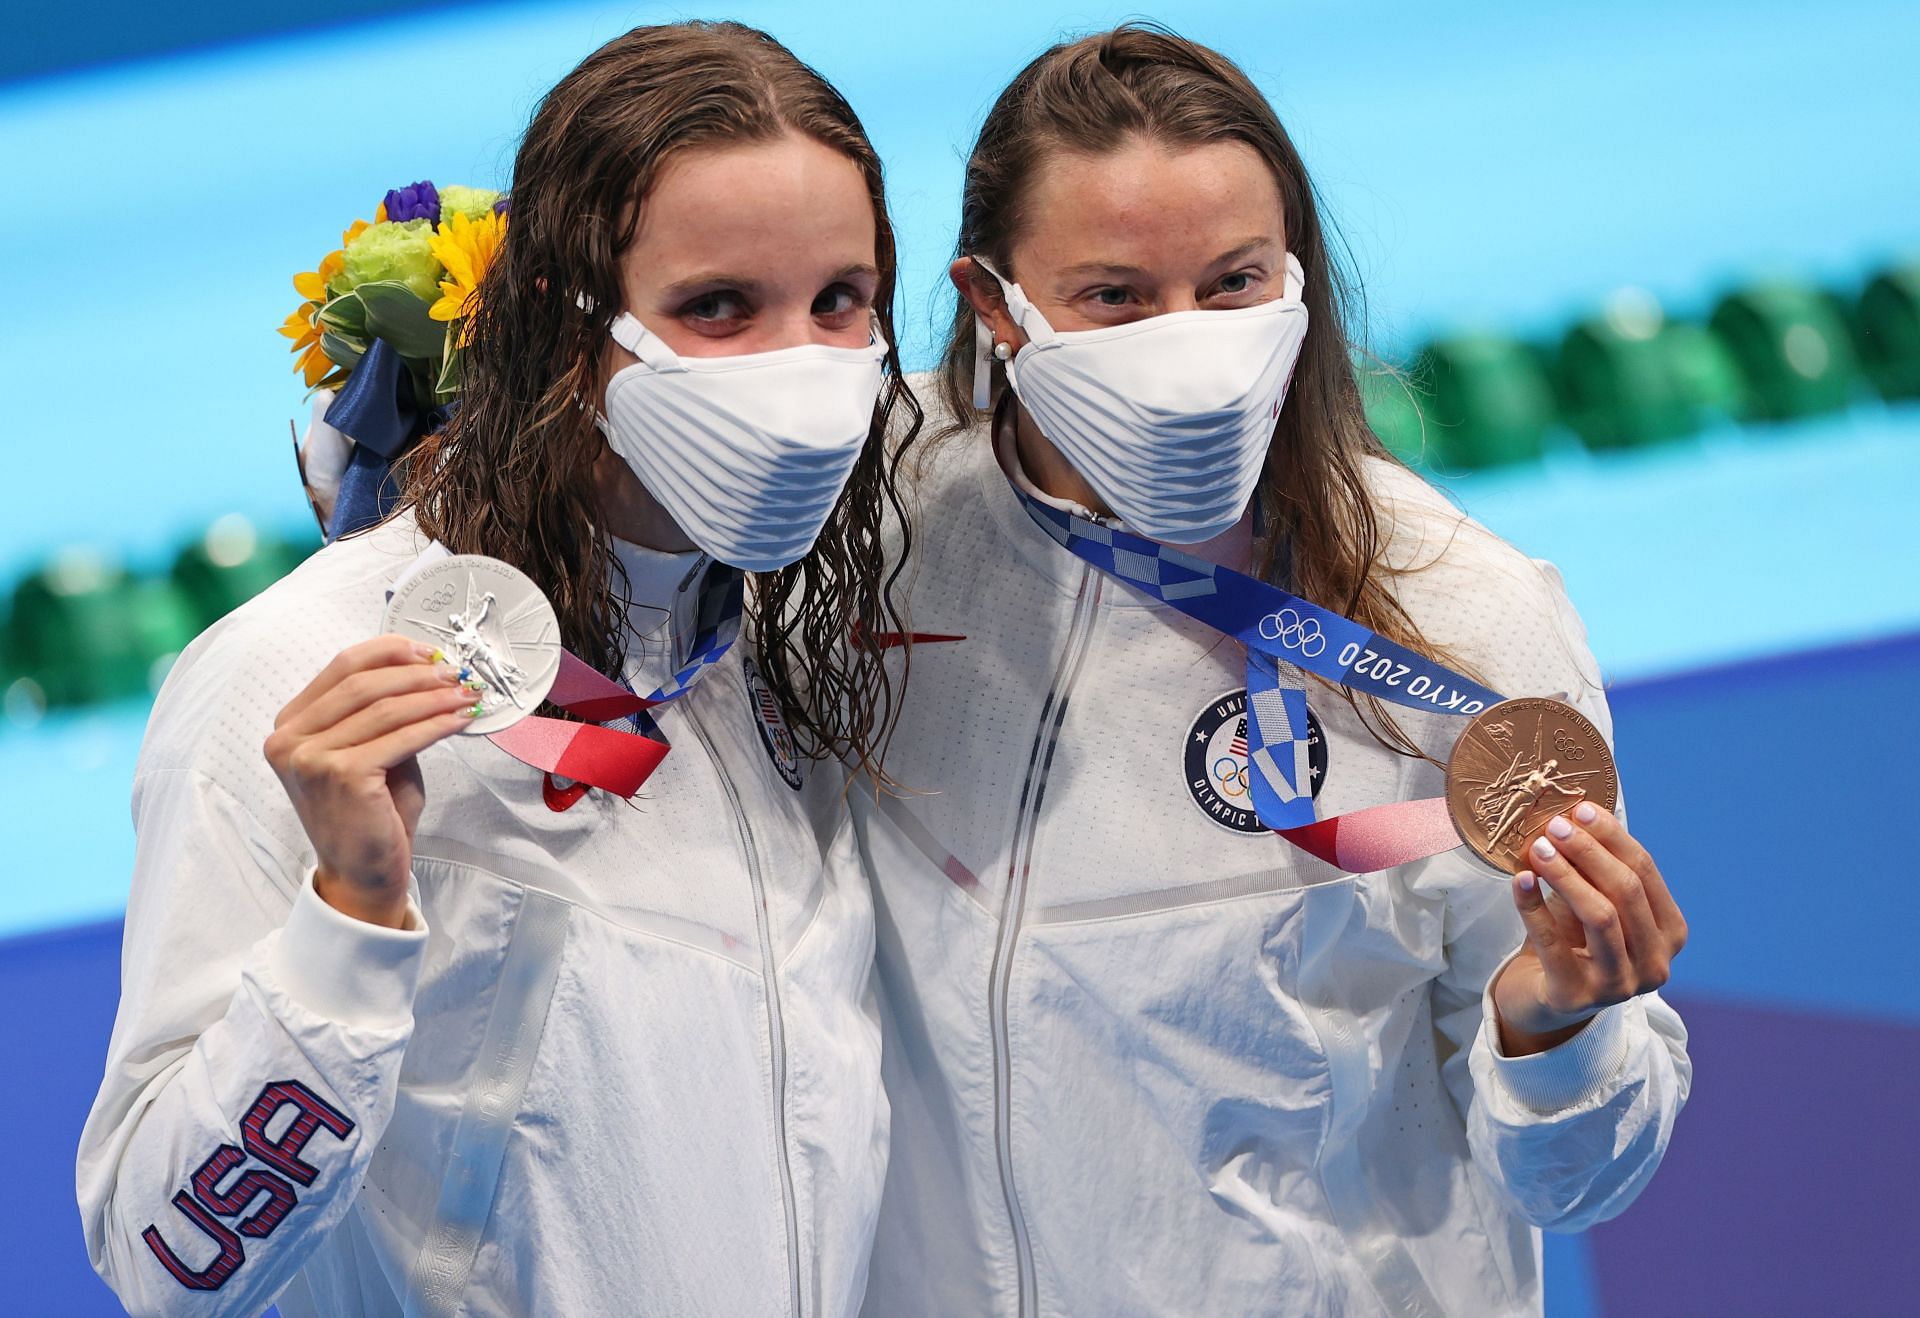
1516	766
492	621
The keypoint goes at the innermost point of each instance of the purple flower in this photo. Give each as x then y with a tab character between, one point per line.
419	202
500	206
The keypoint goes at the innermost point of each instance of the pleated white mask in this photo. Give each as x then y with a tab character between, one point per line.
749	453
1168	418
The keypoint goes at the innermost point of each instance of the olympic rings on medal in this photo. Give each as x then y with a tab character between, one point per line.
1232	780
1296	633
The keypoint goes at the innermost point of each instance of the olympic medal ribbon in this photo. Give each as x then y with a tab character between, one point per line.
1264	618
1379	837
581	689
609	758
1277	746
1283	633
615	761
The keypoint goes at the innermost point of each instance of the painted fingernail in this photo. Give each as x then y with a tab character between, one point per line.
423	651
1526	880
1544	849
473	711
1585	813
1560	828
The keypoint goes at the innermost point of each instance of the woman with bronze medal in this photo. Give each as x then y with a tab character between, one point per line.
1194	1002
571	1015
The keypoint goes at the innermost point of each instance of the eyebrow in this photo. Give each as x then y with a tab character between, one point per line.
1246	248
751	287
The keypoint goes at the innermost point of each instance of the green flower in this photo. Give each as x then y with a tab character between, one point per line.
397	252
470	202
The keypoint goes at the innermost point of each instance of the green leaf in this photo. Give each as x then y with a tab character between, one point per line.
346	314
449	382
342	349
396	315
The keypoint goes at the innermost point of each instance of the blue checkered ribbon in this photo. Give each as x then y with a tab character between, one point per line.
1284	635
722	601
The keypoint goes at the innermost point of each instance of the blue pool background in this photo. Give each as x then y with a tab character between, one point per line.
1752	592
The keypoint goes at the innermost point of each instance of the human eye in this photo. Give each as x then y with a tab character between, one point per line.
838	303
1239	287
720	311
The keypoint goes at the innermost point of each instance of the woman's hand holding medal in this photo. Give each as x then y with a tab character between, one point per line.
1611	934
344	749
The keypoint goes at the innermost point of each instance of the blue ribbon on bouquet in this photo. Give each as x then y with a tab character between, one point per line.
376	409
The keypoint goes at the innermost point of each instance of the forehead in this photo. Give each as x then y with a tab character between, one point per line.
727	202
1146	203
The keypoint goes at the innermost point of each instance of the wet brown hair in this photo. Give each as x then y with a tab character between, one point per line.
1140	81
512	473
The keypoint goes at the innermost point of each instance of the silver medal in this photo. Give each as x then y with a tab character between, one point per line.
490	619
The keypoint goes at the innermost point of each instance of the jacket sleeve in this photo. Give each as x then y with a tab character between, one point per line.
253	1064
1568	1137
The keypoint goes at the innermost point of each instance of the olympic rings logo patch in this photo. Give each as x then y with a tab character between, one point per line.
774	735
1294	632
1218	777
1229	775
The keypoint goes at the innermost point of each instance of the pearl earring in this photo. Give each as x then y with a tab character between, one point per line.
1002	351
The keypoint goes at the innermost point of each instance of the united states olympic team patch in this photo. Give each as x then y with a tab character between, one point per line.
1216	763
774	734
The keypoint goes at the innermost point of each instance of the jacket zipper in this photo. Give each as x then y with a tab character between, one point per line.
776	1029
1013	907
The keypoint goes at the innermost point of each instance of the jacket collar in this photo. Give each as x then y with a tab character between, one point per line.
662	609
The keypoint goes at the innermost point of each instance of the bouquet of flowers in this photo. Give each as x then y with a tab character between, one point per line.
396	299
408	278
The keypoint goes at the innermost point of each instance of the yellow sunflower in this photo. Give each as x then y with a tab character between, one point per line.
303	326
466	248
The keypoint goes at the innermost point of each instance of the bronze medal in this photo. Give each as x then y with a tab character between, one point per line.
1517	765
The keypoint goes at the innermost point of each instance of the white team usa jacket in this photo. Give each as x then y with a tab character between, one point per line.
1144	1057
626	1062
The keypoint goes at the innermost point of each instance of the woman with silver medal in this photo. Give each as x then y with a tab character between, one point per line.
1194	1001
409	1025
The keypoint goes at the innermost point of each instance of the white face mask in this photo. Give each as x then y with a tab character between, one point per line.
1168	418
748	454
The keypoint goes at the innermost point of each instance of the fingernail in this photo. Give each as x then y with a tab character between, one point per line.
1544	849
1526	881
425	651
1585	813
1560	828
474	710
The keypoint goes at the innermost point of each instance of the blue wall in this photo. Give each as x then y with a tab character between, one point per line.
44	39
